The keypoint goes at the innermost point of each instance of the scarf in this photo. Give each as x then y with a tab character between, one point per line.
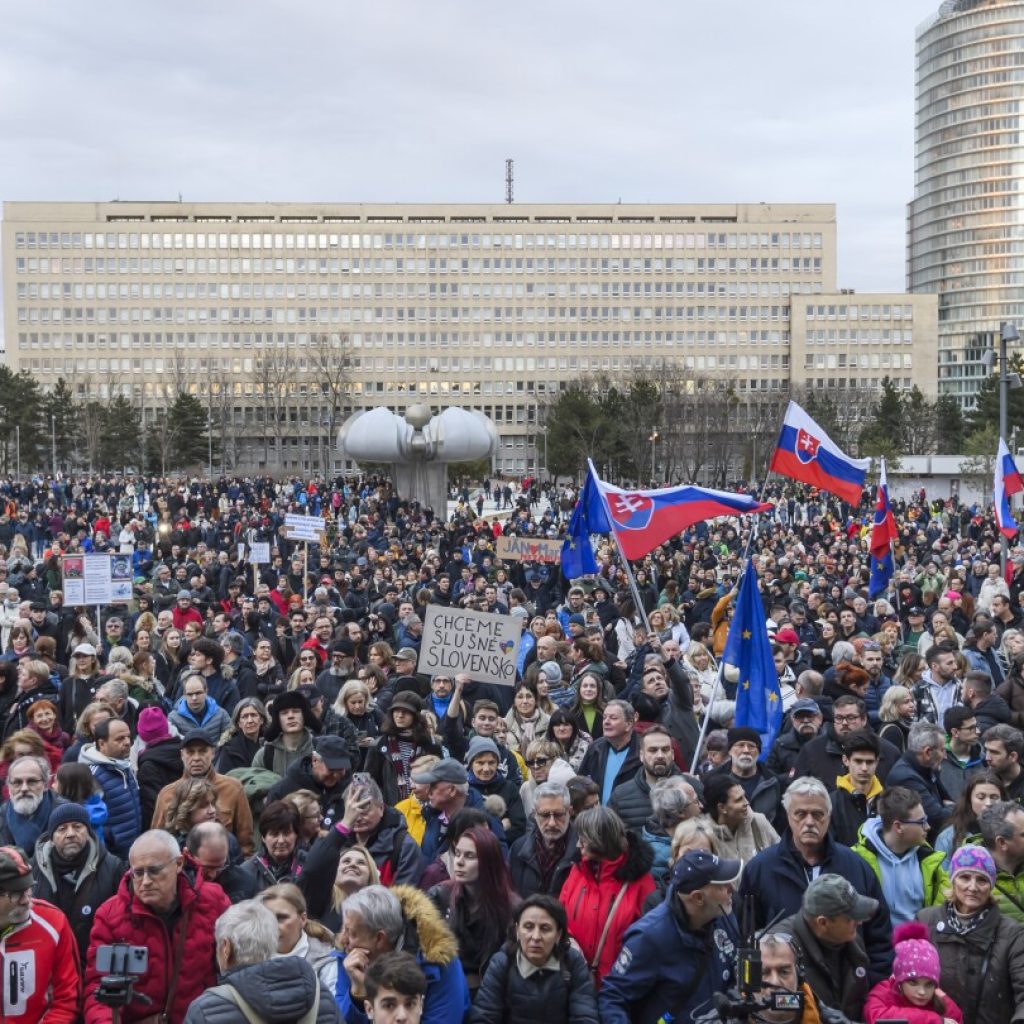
548	858
27	830
961	925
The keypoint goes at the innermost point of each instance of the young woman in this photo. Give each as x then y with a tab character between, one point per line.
537	976
243	738
741	832
526	721
698	663
356	870
77	784
170	659
404	737
588	708
353	704
564	729
896	714
983	789
298	936
478	902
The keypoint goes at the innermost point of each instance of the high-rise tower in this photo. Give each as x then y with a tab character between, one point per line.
966	221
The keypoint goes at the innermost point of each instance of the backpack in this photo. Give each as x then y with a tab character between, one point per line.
232	994
257	783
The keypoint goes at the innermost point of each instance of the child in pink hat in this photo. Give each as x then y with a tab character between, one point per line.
912	994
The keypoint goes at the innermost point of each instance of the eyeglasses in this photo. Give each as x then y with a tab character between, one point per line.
538	762
152	872
920	822
551	815
847	719
16	897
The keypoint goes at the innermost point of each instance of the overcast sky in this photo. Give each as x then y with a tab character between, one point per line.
407	100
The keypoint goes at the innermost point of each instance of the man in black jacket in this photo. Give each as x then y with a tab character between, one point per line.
324	772
74	871
614	759
542	859
632	800
804	725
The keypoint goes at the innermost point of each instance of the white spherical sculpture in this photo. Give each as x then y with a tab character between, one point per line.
419	446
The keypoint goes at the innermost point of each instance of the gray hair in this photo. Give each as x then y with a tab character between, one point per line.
842	651
806	786
669	799
372	790
40	762
925	734
994	822
379	910
251	929
119	655
116	688
162	838
627	709
603	831
552	791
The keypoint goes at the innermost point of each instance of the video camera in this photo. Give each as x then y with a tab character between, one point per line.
119	967
745	1001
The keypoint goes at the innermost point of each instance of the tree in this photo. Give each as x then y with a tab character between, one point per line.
330	359
21	405
61	414
119	434
187	426
576	430
986	410
883	435
919	423
950	426
980	449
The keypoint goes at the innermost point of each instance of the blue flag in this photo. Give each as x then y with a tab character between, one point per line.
883	535
587	517
748	649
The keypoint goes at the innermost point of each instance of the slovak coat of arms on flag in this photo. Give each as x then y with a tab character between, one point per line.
806	446
631	511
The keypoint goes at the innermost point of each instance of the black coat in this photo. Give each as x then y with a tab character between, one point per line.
522	864
158	766
238	752
595	761
822	759
300	776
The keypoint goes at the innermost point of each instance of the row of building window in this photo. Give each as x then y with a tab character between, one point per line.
398	240
862	337
844	360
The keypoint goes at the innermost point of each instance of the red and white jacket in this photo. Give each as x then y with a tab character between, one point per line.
39	970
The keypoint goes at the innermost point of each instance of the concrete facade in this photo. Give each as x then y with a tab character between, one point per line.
491	307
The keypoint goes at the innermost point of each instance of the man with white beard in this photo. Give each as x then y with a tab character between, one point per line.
24	817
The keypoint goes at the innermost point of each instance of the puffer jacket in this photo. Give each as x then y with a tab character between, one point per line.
590	891
547	996
282	989
124	919
159	765
436	950
121	795
96	883
213	721
982	971
886	1002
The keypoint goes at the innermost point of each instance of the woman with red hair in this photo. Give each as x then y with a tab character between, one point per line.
478	901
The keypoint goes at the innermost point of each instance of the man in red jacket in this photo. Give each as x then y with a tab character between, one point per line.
164	905
38	967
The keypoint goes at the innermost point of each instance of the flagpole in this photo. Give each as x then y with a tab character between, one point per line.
634	589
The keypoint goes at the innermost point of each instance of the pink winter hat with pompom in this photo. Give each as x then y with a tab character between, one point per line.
916	957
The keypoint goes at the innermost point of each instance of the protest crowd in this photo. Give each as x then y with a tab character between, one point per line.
243	770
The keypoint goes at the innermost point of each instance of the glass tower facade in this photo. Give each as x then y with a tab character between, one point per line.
966	220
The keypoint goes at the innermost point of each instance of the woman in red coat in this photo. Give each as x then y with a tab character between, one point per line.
162	904
606	888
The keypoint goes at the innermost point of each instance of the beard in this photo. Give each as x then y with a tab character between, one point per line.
26	806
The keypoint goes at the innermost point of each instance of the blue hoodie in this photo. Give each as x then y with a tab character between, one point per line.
902	881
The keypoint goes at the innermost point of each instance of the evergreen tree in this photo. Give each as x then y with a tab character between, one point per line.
60	412
950	426
187	424
986	410
119	434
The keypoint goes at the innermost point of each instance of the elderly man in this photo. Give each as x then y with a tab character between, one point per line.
805	720
164	905
232	806
613	760
41	983
918	770
74	871
209	845
254	981
763	791
543	857
449	792
24	816
778	877
374	921
673	800
677	957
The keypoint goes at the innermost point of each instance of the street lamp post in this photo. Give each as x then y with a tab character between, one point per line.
53	443
654	440
209	445
17	449
1007	333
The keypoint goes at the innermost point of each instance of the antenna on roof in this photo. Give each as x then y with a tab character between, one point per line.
508	180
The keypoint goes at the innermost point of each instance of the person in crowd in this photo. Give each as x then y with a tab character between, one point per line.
482	761
913	990
325	772
805	721
856	792
34	684
540	860
233	812
898	711
448	794
982	790
740	831
778	876
254	981
162	903
981	951
678	957
42	720
289	736
538	975
93	713
244	737
605	891
1004	751
673	801
477	902
24	816
564	729
374	921
42	983
211	846
895	845
299	935
78	690
396	990
74	871
964	754
918	770
23	743
1001	826
193	801
404	737
825	934
762	790
279	858
356	870
196	710
159	762
614	759
526	720
632	800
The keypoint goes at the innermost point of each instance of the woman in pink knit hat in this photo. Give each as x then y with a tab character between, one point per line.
912	994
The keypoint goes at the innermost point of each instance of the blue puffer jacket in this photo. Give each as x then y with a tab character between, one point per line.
213	720
121	795
663	964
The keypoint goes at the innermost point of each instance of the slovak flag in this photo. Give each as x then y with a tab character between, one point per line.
806	453
641	520
1008	482
883	536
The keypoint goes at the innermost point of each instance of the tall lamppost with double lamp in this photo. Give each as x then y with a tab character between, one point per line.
654	440
1007	382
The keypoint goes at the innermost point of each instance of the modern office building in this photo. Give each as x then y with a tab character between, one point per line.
966	220
254	307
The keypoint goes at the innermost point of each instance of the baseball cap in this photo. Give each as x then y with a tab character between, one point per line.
196	736
834	896
805	706
85	649
697	868
446	770
15	874
787	636
333	751
406	654
915	611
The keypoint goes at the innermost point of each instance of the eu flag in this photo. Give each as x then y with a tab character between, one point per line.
748	649
587	517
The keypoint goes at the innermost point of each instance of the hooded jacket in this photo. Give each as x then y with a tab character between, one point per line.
121	795
591	889
212	721
276	757
282	989
95	883
159	765
436	950
886	1002
123	918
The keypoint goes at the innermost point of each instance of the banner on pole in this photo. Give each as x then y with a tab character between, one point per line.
259	553
484	645
96	579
